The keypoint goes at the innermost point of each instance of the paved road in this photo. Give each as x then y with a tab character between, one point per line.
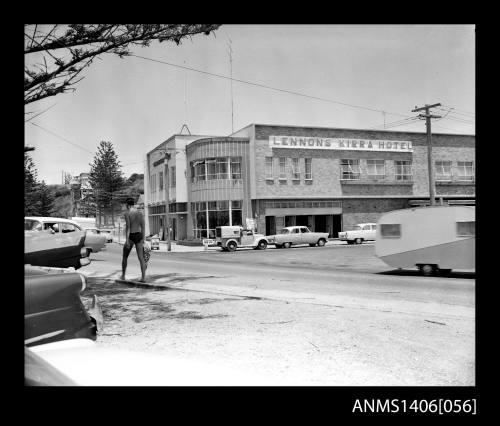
332	315
338	275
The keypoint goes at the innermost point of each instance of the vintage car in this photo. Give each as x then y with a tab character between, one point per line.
229	238
45	247
53	309
108	233
93	242
83	362
296	235
361	232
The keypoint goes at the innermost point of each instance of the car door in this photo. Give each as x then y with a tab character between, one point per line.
305	235
247	237
295	237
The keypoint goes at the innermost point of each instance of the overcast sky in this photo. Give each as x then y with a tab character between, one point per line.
136	104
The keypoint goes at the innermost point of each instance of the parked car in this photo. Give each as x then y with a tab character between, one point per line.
93	241
53	309
296	235
154	241
229	238
108	233
361	232
83	362
43	246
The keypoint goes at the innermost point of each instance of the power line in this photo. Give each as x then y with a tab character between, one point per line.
270	87
458	109
62	138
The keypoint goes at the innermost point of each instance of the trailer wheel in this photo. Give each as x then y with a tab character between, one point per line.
321	242
358	240
262	245
287	245
231	246
427	269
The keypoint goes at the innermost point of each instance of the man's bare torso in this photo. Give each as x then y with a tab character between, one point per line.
135	219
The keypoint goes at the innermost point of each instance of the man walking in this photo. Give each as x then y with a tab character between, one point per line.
134	235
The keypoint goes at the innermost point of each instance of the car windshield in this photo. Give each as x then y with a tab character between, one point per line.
357	228
284	231
32	225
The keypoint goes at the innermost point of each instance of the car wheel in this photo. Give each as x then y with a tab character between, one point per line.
321	242
358	240
262	245
427	269
287	245
231	246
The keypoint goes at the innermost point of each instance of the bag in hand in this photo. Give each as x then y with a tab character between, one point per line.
146	251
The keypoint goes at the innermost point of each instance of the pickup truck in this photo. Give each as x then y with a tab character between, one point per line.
295	235
361	232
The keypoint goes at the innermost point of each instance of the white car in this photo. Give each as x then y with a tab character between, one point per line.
361	232
297	235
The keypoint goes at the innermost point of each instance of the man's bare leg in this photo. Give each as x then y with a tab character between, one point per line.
140	254
126	252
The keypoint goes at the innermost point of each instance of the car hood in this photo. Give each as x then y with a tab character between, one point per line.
89	364
35	241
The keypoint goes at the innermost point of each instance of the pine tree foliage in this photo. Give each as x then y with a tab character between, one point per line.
106	177
38	199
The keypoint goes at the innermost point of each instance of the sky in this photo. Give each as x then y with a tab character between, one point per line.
342	76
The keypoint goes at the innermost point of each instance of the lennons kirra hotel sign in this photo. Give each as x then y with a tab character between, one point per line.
303	142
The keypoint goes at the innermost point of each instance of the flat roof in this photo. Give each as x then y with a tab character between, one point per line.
352	129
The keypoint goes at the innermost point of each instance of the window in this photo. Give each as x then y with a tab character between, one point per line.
295	231
374	227
161	180
402	170
199	170
349	169
308	168
375	169
366	228
443	170
304	230
211	169
269	168
390	230
282	162
466	229
235	167
222	168
172	177
465	171
68	227
295	169
208	215
32	225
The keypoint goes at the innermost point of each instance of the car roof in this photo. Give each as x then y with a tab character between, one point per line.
51	219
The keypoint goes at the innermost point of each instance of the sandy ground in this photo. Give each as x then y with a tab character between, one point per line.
290	342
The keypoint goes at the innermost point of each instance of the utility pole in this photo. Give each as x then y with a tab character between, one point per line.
167	204
428	117
231	66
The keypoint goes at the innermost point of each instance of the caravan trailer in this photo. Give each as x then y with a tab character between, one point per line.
433	239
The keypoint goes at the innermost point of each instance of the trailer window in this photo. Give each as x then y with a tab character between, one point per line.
392	230
466	229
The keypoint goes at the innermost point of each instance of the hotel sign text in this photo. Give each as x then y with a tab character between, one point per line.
339	144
